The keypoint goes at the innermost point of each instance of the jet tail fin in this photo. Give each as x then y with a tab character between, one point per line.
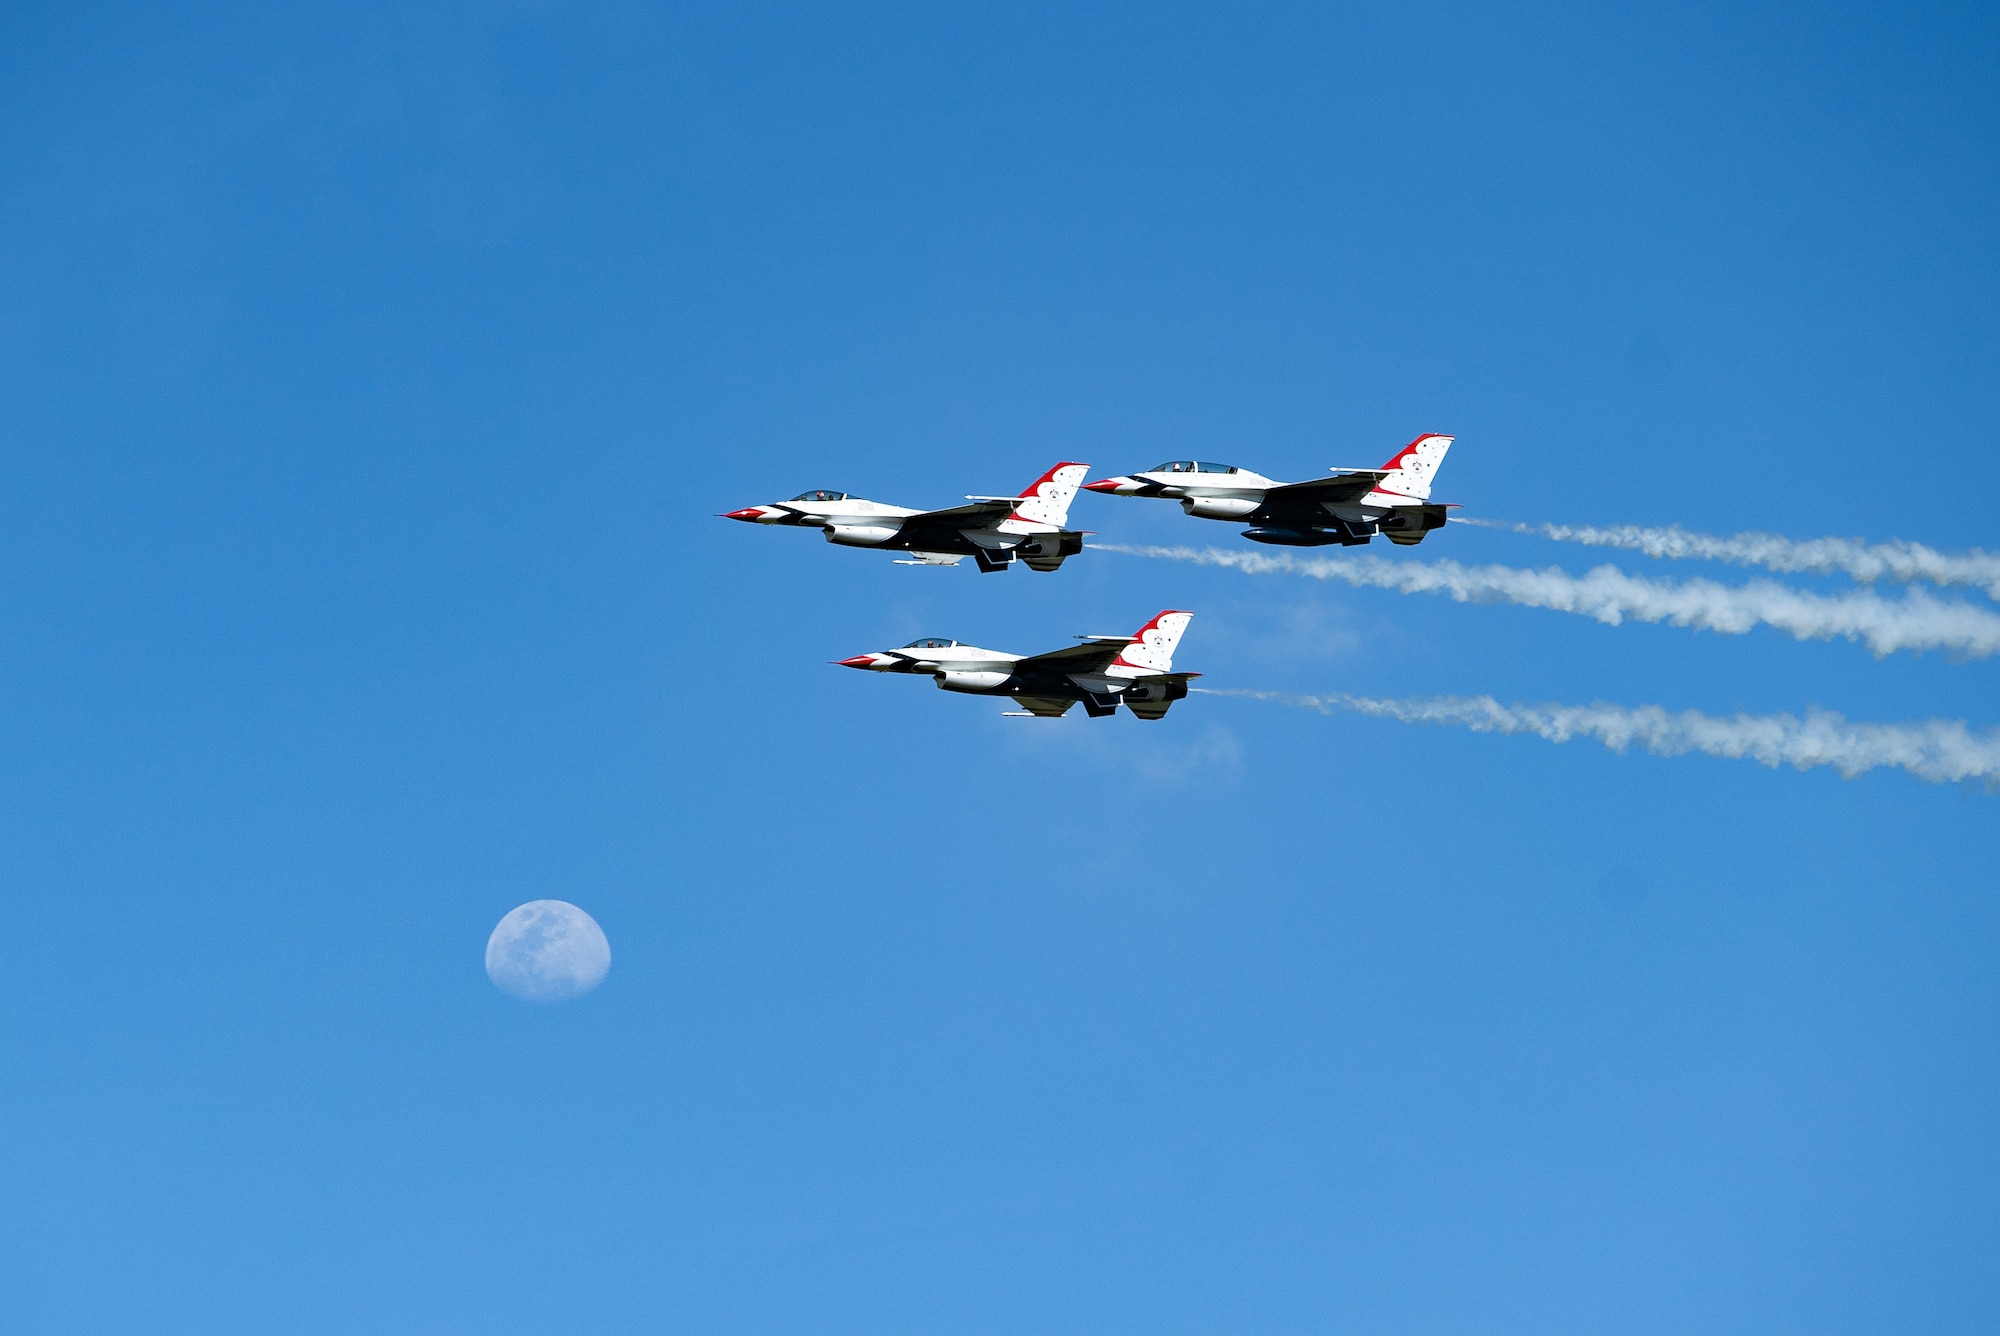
1152	647
1046	501
1410	470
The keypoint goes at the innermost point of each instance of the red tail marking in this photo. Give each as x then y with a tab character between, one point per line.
1396	460
1140	634
1035	486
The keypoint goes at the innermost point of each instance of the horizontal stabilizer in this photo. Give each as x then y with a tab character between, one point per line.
1150	697
1407	525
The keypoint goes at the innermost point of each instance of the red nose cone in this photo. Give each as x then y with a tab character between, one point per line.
1101	485
859	661
753	514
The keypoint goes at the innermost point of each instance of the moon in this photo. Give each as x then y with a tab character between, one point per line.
547	951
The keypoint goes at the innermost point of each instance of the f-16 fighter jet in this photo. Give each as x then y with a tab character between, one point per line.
1348	508
993	530
1103	672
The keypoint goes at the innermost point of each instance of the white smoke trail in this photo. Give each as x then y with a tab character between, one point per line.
1939	751
1900	561
1915	622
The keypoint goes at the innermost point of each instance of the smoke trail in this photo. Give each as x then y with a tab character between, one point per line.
1905	562
1939	751
1914	622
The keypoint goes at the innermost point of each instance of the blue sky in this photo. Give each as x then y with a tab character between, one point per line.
370	377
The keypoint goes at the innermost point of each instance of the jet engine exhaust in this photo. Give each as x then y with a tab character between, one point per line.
1937	751
1913	623
1896	560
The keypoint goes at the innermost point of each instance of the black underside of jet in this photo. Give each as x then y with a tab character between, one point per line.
1295	528
1147	697
1040	552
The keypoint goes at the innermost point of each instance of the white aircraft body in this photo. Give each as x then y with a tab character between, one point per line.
1103	672
993	530
1348	508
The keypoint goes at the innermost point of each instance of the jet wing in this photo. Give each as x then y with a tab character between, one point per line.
1302	500
979	515
1085	658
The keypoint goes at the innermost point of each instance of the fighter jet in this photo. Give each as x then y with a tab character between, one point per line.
992	531
1103	672
1348	508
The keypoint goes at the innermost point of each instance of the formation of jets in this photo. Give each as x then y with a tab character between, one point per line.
1103	672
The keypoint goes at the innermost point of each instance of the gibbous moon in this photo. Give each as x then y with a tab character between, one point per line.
547	951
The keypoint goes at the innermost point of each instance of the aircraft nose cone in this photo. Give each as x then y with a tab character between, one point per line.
750	513
859	661
1102	485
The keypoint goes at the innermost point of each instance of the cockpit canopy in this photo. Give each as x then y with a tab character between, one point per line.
1191	466
930	642
820	496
